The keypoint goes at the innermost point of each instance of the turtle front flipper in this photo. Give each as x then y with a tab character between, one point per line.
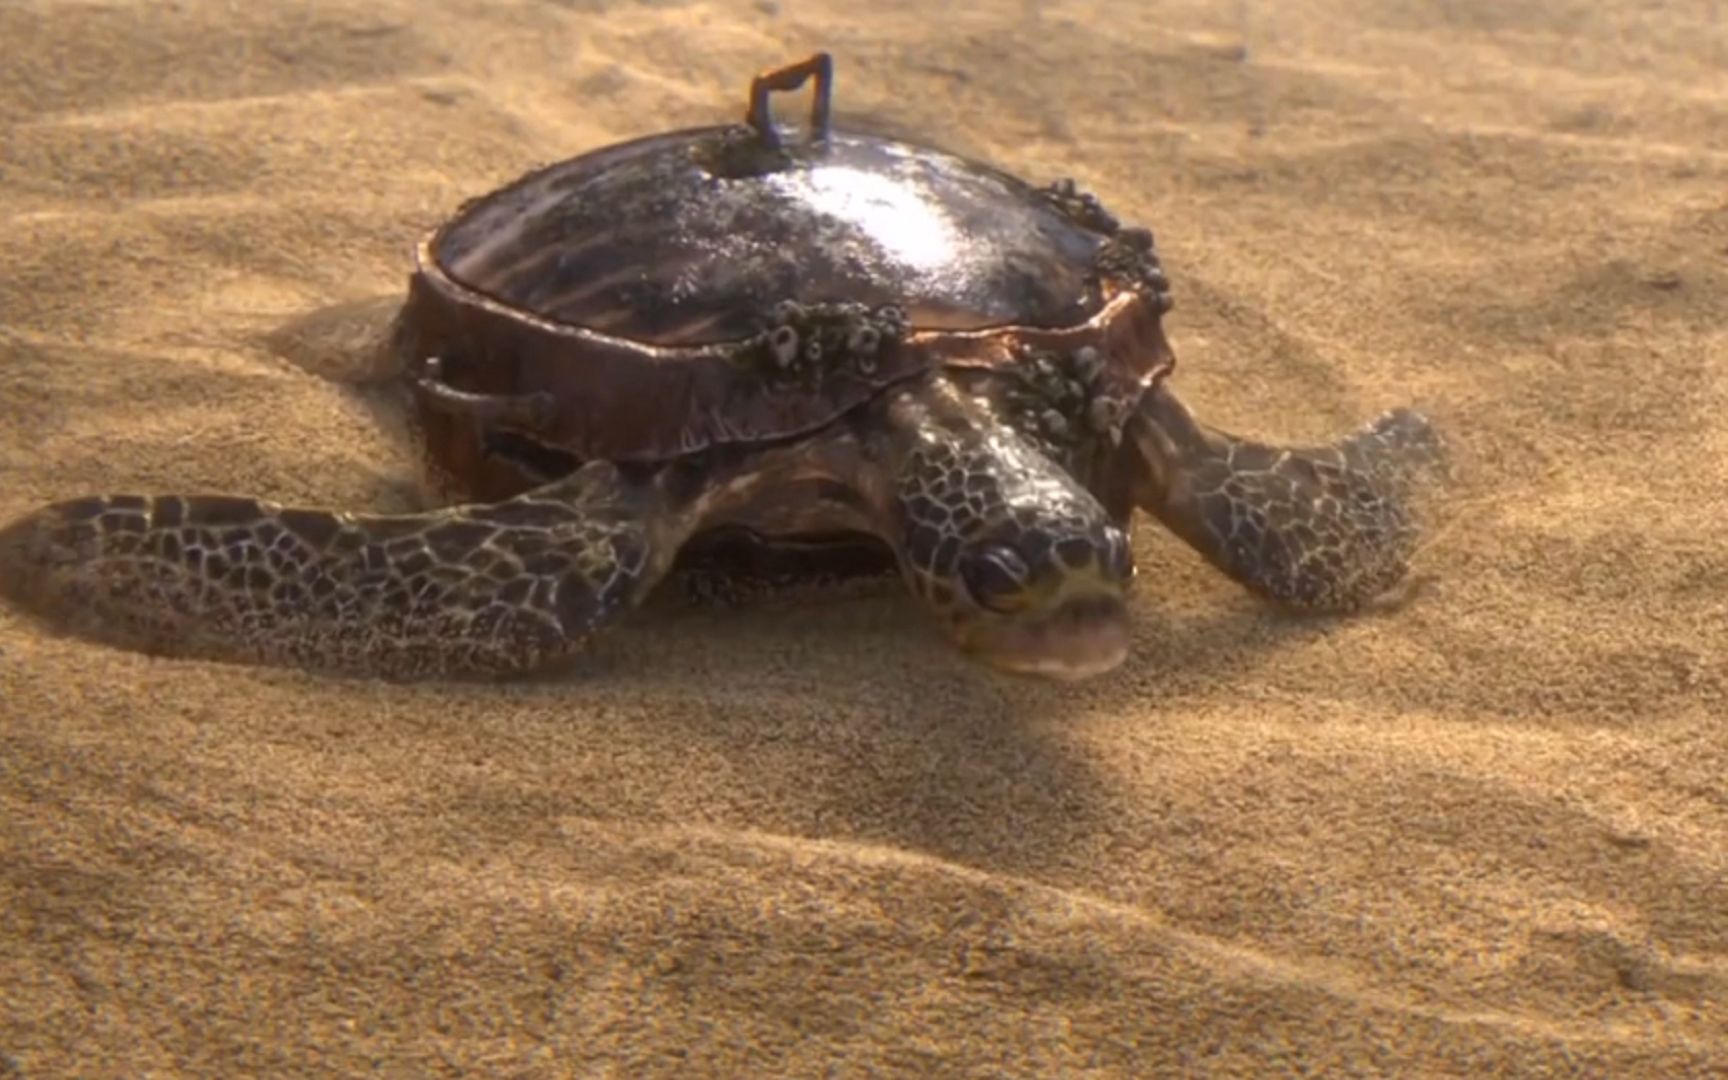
498	589
1322	528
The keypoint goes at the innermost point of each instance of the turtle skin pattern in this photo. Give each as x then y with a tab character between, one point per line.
1321	528
481	589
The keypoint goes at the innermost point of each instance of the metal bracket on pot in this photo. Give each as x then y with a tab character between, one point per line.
531	411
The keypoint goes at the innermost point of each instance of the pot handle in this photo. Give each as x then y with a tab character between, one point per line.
791	77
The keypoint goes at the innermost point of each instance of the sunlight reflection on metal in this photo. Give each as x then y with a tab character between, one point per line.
912	230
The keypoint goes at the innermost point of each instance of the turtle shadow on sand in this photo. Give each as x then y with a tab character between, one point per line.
345	343
965	766
914	752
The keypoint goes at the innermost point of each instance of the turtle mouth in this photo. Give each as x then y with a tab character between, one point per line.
1079	638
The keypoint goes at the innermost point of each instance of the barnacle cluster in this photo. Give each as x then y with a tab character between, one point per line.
1130	258
1058	398
805	342
1080	207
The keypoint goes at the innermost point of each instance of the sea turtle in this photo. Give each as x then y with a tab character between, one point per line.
813	336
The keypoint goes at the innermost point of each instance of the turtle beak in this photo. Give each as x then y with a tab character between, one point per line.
1079	638
1062	615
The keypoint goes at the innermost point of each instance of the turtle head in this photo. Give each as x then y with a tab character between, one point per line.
1018	562
1044	598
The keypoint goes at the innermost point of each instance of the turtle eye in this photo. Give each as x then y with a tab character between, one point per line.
996	578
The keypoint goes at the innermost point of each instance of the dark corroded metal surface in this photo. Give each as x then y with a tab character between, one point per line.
693	237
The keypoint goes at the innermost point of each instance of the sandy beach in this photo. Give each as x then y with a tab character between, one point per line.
1482	834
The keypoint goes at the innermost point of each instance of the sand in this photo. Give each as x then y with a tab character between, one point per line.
1483	834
